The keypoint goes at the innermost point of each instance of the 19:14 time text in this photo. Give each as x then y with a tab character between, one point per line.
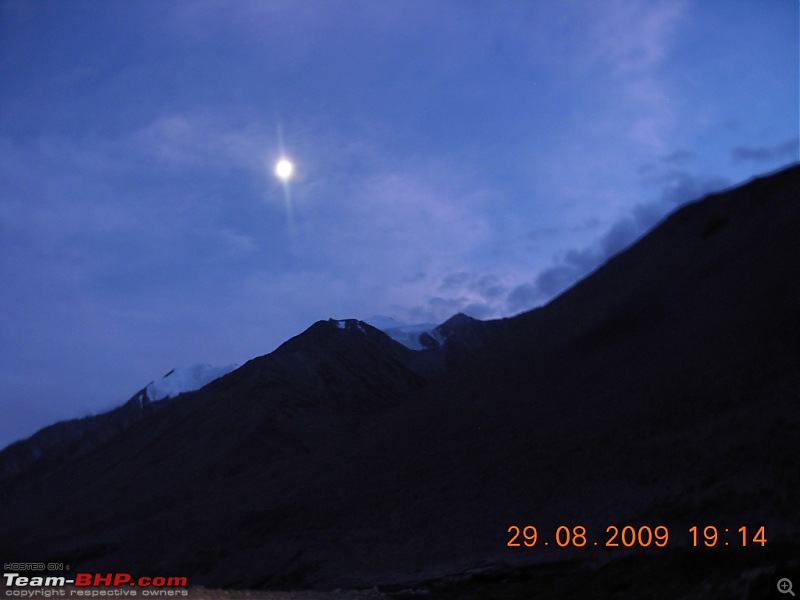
629	536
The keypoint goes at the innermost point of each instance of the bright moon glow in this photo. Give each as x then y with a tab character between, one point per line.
284	169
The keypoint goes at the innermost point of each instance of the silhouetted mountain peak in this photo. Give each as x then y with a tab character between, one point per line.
342	336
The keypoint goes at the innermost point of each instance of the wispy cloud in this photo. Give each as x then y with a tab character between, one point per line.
783	151
203	141
633	37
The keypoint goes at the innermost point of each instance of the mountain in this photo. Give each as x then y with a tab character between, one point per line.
660	391
63	442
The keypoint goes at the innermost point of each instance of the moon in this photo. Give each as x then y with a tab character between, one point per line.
284	169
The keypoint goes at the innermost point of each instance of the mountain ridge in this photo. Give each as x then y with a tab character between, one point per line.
62	442
661	389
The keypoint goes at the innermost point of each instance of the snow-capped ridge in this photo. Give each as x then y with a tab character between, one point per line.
181	380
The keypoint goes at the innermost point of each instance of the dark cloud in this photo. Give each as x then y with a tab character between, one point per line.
479	295
438	302
434	309
684	187
583	260
544	232
647	215
678	188
556	279
620	236
488	286
677	157
671	160
455	280
477	310
788	150
523	297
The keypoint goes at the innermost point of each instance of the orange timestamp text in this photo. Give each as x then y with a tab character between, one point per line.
629	536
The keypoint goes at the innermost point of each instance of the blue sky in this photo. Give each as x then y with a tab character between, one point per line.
473	156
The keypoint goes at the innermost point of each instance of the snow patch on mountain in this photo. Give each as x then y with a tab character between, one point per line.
186	379
348	324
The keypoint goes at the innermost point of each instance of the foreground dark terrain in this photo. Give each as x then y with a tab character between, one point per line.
662	390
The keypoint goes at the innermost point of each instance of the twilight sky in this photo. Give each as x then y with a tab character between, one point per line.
473	156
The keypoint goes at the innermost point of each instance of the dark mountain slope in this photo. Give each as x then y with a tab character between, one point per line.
65	441
463	337
662	389
205	461
61	443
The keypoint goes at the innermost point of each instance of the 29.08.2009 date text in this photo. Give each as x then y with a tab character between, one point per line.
629	536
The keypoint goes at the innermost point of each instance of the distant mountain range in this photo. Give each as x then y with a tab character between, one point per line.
64	441
662	390
68	438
